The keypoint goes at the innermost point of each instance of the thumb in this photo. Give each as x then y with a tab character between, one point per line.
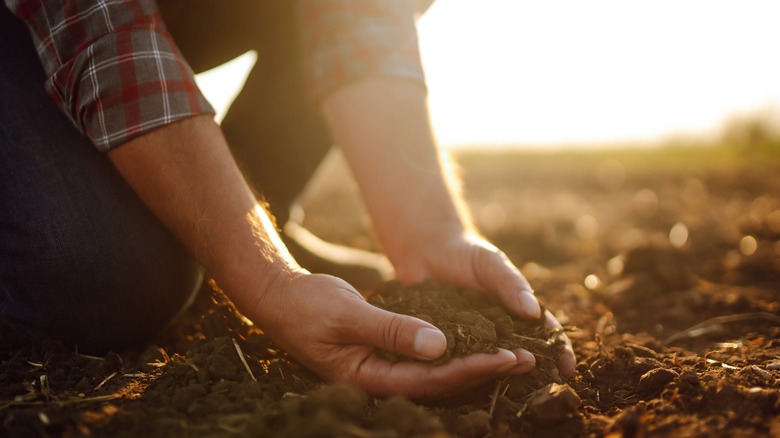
402	334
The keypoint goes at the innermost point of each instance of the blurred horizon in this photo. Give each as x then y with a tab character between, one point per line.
574	75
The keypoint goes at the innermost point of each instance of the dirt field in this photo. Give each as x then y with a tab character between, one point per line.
664	266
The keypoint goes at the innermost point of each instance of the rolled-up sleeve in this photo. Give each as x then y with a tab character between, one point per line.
350	40
112	66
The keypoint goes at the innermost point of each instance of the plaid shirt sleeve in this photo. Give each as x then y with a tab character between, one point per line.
349	40
112	67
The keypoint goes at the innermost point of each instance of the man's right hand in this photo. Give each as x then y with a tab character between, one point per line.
324	323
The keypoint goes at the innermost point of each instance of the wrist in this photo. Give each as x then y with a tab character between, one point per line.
255	262
257	292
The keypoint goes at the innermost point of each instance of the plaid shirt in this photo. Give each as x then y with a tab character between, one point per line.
115	71
347	40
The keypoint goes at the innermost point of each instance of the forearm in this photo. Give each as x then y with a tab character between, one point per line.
383	127
186	175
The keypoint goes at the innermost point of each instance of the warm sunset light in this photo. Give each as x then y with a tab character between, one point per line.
566	223
510	72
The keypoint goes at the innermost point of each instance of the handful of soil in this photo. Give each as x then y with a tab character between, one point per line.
468	320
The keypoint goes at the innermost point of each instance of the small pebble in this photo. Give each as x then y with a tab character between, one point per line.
653	381
552	404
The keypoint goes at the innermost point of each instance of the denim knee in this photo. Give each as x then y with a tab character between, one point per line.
94	281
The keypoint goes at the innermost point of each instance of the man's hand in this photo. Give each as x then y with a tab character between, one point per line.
382	124
468	260
326	324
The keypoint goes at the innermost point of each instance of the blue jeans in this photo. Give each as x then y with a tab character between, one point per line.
81	258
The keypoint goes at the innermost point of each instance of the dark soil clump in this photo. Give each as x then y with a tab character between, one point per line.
470	322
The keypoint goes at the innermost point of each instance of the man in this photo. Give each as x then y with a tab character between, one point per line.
107	199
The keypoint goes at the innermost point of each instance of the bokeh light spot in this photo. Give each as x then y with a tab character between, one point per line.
748	245
531	271
678	235
646	202
615	265
586	226
592	281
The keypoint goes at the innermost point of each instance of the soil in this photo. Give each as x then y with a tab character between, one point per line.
664	268
470	322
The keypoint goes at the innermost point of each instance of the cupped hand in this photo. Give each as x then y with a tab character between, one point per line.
325	324
465	259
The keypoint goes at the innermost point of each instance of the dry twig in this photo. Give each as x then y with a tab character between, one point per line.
184	360
243	359
494	397
45	389
87	356
103	382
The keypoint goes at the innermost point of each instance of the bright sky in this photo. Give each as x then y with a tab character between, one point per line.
570	71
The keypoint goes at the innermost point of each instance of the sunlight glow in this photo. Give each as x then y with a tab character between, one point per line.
509	72
512	71
222	84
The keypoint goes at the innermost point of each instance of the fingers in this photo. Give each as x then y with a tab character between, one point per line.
418	339
402	334
567	361
498	276
416	380
526	361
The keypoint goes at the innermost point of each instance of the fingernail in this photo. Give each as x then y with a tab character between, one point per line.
525	362
529	303
509	362
568	362
524	357
429	343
